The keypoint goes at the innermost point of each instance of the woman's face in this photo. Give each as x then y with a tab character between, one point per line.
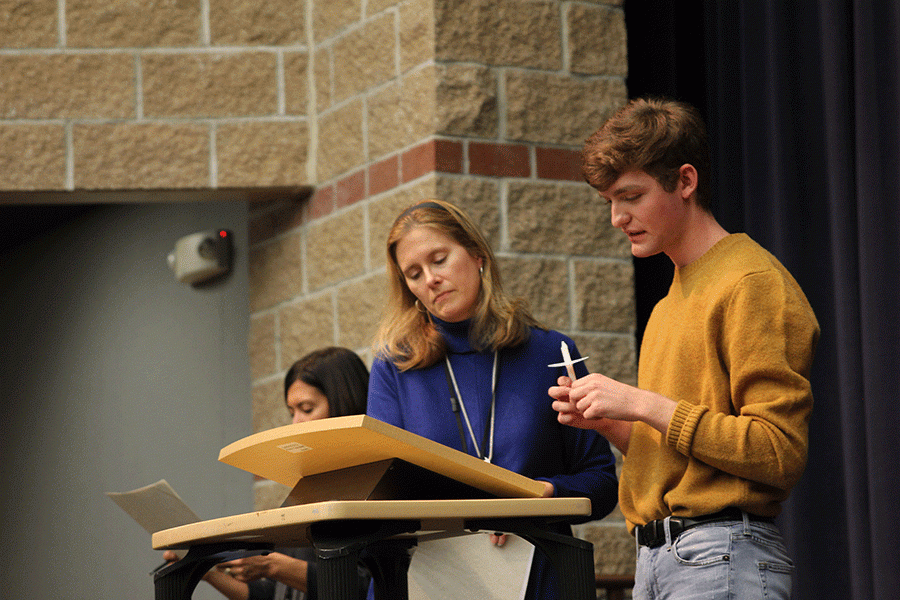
440	273
306	403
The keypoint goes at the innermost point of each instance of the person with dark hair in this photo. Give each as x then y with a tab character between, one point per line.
715	434
331	382
461	363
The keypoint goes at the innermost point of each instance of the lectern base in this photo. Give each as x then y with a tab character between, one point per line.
177	580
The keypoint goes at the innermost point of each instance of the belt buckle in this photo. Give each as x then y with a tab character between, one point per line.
676	527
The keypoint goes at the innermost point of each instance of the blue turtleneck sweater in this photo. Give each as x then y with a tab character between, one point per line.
528	439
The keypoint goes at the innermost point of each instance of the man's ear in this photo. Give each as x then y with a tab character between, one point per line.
687	178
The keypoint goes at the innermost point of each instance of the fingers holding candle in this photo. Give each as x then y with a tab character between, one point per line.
597	396
568	413
560	393
609	407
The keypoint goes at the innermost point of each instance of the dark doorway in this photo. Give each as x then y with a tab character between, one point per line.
666	57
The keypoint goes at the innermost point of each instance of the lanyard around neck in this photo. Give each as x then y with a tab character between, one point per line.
457	404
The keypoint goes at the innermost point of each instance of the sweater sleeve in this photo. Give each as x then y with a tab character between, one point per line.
766	347
592	475
383	401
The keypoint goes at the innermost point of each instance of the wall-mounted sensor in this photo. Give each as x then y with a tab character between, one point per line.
201	256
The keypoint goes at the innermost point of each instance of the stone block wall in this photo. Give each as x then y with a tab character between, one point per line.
369	105
118	95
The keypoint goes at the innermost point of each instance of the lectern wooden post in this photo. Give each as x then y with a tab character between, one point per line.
363	490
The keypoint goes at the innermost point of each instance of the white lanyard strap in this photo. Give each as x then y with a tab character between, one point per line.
488	432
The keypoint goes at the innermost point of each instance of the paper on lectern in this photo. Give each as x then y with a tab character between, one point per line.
155	507
470	567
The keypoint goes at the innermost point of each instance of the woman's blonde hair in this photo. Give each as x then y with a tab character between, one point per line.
407	336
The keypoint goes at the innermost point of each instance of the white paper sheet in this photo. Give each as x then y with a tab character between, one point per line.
470	567
155	507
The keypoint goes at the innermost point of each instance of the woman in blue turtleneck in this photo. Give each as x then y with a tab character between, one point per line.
449	325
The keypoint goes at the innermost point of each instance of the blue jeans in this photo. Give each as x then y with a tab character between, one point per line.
726	560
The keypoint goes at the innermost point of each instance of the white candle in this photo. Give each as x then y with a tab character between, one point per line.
567	360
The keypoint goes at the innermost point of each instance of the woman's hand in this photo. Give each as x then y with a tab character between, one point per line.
293	572
250	568
498	539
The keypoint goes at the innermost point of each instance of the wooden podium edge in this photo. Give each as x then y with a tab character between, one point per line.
285	526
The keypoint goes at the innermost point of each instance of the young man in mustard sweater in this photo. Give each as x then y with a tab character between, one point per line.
715	434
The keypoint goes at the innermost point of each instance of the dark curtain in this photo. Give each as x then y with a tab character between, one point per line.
803	103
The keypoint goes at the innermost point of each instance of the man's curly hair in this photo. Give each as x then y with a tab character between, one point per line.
653	135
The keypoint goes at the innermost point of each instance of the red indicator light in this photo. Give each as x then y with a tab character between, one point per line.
223	233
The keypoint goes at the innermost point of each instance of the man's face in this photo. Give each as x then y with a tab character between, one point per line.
653	219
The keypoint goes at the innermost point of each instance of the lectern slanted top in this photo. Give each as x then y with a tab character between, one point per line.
288	454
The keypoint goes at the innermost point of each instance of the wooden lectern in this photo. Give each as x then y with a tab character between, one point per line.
363	490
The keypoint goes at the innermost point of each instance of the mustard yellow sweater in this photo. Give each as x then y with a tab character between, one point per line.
732	343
